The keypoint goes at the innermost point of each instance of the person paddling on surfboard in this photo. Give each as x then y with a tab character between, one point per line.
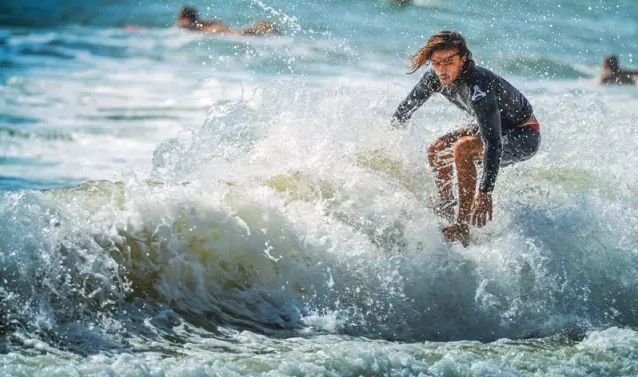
188	18
505	130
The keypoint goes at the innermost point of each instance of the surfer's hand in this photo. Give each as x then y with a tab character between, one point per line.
482	209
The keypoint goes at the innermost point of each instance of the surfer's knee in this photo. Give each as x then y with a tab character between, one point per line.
467	149
463	147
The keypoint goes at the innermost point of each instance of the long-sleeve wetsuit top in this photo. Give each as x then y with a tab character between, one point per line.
495	103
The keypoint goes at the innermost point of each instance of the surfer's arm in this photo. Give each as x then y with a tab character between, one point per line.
489	125
428	84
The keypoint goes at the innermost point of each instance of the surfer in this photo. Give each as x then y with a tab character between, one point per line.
188	18
613	74
504	132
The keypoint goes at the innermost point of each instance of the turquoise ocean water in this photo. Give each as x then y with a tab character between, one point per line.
175	204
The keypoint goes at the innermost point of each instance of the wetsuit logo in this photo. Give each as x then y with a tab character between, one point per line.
478	93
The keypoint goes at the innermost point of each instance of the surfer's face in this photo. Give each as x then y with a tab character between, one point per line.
447	64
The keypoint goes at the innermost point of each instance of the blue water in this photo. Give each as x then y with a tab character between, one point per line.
183	204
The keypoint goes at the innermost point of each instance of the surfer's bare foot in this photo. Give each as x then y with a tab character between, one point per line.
457	232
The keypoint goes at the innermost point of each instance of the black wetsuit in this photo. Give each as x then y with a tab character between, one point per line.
499	109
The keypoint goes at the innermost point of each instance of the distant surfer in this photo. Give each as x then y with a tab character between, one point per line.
188	18
613	74
505	130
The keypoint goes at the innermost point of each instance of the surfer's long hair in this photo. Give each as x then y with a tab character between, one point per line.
443	40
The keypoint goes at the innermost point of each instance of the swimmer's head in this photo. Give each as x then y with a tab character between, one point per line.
187	16
611	64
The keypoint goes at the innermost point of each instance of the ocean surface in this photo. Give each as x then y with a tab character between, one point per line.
175	204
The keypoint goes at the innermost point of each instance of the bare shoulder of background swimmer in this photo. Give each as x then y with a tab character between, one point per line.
261	28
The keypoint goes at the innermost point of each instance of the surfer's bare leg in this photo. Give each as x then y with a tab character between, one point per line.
441	159
467	150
